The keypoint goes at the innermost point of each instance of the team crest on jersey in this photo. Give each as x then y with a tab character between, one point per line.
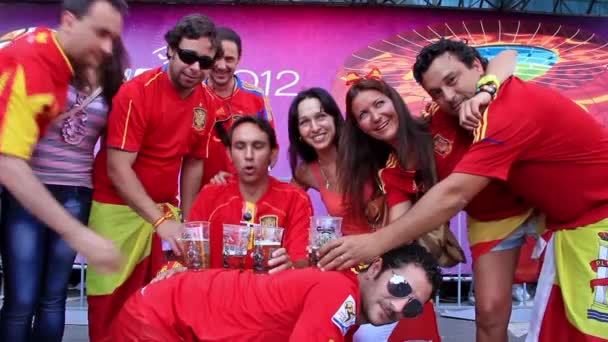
346	315
443	146
269	220
199	119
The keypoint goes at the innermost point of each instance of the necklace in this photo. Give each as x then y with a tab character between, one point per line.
325	178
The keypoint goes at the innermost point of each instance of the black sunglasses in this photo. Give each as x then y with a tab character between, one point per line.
190	57
399	287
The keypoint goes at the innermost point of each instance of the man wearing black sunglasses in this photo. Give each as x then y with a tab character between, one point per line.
158	119
295	305
231	98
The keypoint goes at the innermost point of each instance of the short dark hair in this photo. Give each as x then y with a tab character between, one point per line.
80	8
417	255
298	149
228	34
465	53
193	26
262	124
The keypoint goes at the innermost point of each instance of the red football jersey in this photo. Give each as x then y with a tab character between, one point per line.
34	78
497	201
398	184
283	205
230	305
548	149
246	100
149	118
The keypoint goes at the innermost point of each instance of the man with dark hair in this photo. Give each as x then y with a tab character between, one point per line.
255	197
551	153
35	71
295	305
80	8
498	220
230	98
158	118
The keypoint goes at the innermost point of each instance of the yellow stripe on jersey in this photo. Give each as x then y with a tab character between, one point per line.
429	110
251	209
153	78
3	81
390	163
65	57
249	86
20	130
268	109
480	131
124	133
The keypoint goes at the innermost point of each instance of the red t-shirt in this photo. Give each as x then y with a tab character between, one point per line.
34	78
149	118
247	100
283	205
398	184
548	149
497	200
229	305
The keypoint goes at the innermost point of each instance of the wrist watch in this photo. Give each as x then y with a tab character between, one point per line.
489	84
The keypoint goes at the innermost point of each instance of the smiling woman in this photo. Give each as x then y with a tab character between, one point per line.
315	123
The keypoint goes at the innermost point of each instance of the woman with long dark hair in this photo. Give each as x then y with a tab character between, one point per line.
386	135
315	125
63	161
377	125
381	139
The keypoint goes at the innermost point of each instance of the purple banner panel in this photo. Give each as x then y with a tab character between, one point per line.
289	48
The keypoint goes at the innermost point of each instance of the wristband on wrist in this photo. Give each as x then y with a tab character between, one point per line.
488	84
489	79
160	220
487	88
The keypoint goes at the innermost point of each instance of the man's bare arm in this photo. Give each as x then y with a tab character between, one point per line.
441	203
503	65
190	183
436	207
129	187
18	178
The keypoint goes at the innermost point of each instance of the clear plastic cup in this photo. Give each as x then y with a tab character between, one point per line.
322	230
266	241
195	240
236	243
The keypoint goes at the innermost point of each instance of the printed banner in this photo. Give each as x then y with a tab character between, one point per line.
289	48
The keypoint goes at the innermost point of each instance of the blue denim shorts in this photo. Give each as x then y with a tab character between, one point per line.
518	237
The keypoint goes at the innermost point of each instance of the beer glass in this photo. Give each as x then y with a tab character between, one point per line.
195	240
322	230
266	241
236	242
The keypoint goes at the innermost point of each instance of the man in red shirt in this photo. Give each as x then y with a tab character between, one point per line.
498	219
157	119
255	197
550	152
229	98
295	305
35	71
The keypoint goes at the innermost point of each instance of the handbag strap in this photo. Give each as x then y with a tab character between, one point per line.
82	106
